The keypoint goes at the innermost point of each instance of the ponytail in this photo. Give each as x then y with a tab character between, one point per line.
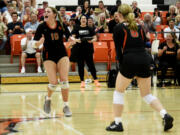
131	20
61	21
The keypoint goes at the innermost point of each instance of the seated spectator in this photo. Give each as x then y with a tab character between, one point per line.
148	24
3	4
102	26
136	10
33	24
86	8
27	15
91	24
63	14
171	28
114	9
178	7
113	22
172	13
42	10
167	54
177	22
3	29
157	17
102	9
28	51
15	27
71	24
77	15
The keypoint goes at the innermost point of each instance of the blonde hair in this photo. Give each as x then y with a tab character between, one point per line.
128	15
104	22
54	10
177	19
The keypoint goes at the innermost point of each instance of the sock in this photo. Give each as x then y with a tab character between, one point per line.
118	120
48	98
163	112
66	104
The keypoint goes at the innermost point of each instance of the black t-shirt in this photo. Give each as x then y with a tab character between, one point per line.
53	37
12	25
169	57
136	12
85	34
173	16
2	4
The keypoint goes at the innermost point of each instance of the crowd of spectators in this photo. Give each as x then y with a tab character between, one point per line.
16	16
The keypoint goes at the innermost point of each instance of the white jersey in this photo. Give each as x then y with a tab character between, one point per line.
29	48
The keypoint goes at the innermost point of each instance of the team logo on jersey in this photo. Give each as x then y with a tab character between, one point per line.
134	33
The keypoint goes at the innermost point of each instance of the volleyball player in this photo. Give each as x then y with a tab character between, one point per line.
134	61
50	33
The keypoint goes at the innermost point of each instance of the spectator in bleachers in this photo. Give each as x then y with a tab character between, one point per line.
86	8
136	10
26	17
8	13
167	54
114	9
17	4
102	9
171	28
172	13
3	4
113	22
71	24
157	19
178	6
177	21
77	15
3	30
102	25
84	37
15	27
91	23
148	24
63	14
28	51
33	24
42	10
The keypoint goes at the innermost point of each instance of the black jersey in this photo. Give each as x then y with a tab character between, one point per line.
53	43
85	34
127	40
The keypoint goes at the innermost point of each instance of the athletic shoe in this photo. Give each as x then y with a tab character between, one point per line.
47	106
97	84
167	122
23	70
87	81
114	127
82	84
39	70
67	111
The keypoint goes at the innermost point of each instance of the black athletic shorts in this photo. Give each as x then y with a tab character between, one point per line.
136	64
32	55
55	57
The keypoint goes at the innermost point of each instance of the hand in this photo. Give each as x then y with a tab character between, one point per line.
41	41
17	27
78	40
164	48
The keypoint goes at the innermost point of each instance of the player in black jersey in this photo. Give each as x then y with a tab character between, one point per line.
85	36
134	61
50	33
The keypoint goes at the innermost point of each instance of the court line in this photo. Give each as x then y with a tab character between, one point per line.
60	122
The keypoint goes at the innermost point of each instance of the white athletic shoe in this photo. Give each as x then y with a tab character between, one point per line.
39	70
23	70
87	81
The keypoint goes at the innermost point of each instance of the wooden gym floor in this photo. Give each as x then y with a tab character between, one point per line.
21	111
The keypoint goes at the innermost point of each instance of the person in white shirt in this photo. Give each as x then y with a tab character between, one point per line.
171	28
28	51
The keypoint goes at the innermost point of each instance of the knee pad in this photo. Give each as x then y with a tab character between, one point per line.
149	98
52	87
118	98
64	85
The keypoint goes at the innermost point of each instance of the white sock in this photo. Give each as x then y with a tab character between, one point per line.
163	112
48	98
66	104
118	120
